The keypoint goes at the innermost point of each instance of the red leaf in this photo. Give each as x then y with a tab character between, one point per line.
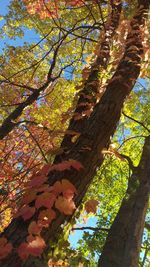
45	170
46	217
66	165
44	188
29	197
36	246
23	251
57	188
34	228
46	199
5	248
75	164
38	180
26	212
30	238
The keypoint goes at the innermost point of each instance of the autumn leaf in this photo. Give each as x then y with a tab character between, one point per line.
76	164
64	205
23	251
46	217
26	212
57	188
46	199
36	246
91	206
34	228
68	189
29	197
45	169
37	180
66	165
5	247
60	263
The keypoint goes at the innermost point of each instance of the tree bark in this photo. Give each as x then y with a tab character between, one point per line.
95	133
124	239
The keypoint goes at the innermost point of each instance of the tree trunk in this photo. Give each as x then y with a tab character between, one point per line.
95	133
123	243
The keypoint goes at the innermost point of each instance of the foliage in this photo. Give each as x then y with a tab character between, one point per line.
44	79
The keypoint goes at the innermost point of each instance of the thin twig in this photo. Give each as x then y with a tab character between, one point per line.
137	121
90	228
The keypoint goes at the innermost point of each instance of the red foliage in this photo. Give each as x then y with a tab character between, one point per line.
66	165
46	216
34	247
26	212
5	247
34	228
49	8
45	200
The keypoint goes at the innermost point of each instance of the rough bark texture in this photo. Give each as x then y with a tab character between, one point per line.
95	133
123	243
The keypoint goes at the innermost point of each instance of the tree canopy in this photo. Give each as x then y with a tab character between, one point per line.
74	133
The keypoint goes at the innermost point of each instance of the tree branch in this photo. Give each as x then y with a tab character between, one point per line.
130	162
37	143
137	121
90	228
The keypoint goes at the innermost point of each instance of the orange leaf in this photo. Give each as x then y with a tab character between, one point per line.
57	188
46	199
64	205
91	206
34	228
46	217
68	189
29	197
36	246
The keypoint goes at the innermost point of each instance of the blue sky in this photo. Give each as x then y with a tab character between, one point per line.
29	35
4	5
76	235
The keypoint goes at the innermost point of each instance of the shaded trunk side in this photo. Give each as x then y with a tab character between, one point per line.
123	243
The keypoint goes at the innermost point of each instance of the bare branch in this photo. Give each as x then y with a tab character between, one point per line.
37	143
90	228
